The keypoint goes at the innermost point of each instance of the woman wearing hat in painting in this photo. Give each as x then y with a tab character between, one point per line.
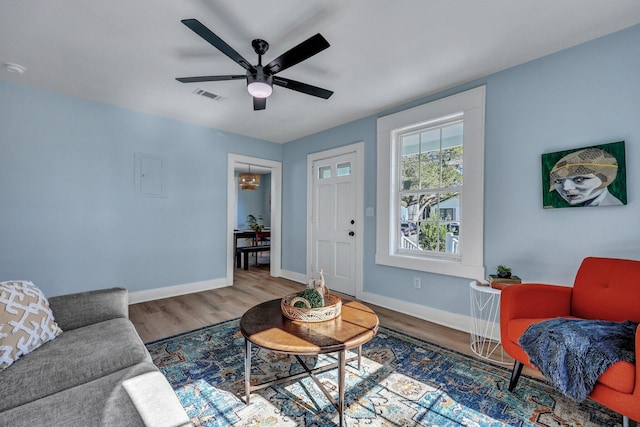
582	178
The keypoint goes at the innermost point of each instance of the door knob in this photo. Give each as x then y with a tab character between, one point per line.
351	233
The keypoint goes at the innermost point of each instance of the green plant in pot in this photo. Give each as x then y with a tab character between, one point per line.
504	271
254	222
312	296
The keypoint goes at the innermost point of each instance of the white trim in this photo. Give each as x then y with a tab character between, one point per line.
293	276
176	290
471	265
358	149
276	210
459	322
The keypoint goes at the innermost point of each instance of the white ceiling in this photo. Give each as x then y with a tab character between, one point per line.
383	53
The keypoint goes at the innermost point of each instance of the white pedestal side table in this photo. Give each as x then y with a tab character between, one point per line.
485	323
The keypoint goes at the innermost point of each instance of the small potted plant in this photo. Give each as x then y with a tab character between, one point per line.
254	224
504	271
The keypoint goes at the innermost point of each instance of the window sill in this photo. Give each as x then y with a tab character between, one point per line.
445	267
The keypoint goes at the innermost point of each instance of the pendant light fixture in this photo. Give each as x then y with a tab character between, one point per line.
249	181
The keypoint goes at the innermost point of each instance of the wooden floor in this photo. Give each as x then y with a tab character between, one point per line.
170	316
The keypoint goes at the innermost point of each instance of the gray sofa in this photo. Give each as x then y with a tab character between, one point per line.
96	373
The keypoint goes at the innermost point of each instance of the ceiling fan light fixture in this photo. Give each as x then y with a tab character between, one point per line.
259	90
259	85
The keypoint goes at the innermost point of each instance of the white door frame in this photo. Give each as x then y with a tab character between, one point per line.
235	160
358	149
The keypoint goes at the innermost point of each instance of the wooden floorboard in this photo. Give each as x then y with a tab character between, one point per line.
171	316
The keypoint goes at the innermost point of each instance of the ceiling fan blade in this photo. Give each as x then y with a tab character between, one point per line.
296	54
259	103
210	78
302	87
217	42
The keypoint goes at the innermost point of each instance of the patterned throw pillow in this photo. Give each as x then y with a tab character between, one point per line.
26	321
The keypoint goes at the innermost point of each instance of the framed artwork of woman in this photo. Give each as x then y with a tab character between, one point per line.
585	177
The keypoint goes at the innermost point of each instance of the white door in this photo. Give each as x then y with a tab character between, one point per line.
334	243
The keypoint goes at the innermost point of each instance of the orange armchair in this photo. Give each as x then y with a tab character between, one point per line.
604	289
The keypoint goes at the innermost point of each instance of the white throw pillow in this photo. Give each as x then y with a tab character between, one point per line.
26	321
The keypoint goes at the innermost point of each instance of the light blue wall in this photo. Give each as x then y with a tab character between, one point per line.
586	95
255	202
70	220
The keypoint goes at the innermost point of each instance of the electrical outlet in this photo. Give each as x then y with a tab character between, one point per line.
417	283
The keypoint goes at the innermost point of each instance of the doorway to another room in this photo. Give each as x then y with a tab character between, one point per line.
252	233
253	215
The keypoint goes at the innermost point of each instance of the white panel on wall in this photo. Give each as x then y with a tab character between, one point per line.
150	176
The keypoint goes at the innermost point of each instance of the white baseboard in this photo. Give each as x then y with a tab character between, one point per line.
292	275
172	291
440	317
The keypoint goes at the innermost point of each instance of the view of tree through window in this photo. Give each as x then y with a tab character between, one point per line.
431	181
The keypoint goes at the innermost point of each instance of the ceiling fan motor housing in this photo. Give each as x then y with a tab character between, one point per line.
260	46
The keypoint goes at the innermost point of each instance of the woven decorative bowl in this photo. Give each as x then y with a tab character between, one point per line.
332	308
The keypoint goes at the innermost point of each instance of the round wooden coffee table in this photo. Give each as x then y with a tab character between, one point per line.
264	325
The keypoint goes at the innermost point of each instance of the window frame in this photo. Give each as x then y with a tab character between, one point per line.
470	105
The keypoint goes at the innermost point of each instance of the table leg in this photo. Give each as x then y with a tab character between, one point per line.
247	369
360	359
238	259
341	374
246	260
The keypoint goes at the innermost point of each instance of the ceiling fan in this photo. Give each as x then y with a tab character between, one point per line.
260	79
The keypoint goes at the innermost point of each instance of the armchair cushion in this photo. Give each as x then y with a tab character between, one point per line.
515	329
607	289
621	376
572	353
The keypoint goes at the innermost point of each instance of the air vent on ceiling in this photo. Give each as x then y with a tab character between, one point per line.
208	94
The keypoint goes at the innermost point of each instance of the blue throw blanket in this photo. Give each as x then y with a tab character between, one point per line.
573	353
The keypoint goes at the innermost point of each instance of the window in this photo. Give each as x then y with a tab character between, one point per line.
343	169
324	172
430	187
431	177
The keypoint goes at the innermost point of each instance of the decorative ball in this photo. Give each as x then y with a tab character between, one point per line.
311	295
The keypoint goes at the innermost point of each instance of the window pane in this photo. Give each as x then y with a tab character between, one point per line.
452	167
324	172
410	144
343	169
452	155
452	237
410	207
430	140
410	179
430	169
452	135
409	215
432	229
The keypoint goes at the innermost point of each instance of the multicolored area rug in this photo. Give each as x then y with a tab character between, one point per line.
404	381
